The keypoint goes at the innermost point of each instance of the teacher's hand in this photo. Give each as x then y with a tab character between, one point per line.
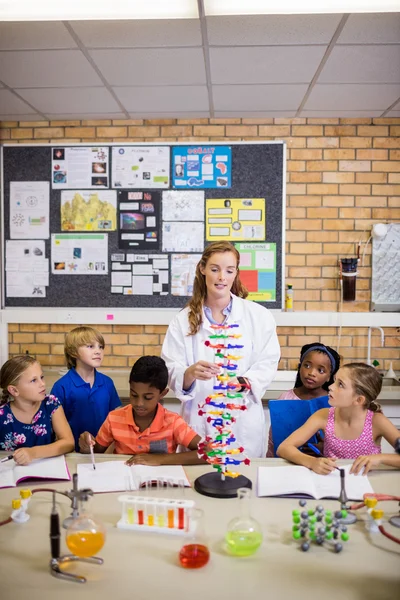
201	370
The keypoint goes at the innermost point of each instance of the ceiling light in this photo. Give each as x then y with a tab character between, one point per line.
271	7
96	10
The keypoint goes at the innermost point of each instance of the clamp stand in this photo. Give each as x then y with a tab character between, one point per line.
75	495
57	563
351	518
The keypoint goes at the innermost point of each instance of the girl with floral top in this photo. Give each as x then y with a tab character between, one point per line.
32	425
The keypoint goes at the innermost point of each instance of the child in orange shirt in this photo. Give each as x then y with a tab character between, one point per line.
145	428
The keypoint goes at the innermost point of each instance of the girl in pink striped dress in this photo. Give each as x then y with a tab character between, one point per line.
353	426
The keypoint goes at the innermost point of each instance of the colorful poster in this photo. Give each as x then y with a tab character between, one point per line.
140	167
183	269
141	275
201	167
139	220
88	211
258	270
183	205
79	167
79	254
29	210
235	219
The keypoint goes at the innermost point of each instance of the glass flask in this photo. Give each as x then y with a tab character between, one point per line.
194	553
243	536
85	536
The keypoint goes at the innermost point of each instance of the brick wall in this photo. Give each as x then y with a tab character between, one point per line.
343	175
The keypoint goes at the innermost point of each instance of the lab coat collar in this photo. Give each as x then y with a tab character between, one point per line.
235	315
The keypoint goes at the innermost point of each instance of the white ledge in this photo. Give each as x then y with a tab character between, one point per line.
155	316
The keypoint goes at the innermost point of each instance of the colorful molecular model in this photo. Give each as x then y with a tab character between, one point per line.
320	526
218	407
161	515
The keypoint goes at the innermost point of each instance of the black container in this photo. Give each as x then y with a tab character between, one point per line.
349	273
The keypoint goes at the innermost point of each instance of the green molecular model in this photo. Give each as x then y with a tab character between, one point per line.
319	526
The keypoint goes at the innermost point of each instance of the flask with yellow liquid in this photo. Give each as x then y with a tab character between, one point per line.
85	536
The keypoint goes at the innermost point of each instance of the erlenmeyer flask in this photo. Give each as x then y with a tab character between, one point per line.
85	536
195	553
243	536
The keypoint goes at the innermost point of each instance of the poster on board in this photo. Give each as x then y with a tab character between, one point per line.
88	210
201	167
139	220
140	167
79	254
29	210
258	270
79	167
235	219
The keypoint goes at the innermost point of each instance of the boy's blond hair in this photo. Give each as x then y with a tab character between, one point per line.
80	336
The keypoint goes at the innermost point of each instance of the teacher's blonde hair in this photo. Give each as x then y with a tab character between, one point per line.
195	304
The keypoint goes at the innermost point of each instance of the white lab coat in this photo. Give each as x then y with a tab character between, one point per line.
259	364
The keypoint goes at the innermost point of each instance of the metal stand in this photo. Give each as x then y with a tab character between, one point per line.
57	563
75	495
212	484
351	518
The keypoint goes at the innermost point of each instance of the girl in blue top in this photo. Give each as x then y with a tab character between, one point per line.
32	425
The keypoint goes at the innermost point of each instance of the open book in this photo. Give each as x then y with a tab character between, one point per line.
299	481
45	468
116	476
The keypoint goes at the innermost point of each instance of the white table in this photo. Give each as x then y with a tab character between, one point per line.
144	566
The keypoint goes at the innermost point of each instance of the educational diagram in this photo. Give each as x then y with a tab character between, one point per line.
183	205
179	236
27	269
183	270
201	167
29	210
80	167
138	220
88	211
258	270
235	219
140	274
140	167
79	254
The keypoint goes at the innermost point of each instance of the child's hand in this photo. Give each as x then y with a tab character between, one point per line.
85	442
24	456
323	466
365	462
152	460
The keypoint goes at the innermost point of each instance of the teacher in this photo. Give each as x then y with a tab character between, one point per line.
219	298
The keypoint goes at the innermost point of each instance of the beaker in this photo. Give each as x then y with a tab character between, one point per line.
349	275
243	536
85	536
194	553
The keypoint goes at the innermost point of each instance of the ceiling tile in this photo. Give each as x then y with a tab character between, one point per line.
34	35
164	98
393	113
264	30
46	68
283	64
71	100
362	64
255	114
136	34
371	29
257	97
340	113
10	103
169	115
90	116
166	66
352	97
20	117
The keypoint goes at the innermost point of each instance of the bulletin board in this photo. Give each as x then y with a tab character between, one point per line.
124	226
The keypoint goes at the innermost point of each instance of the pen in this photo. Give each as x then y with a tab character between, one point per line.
6	458
317	451
92	455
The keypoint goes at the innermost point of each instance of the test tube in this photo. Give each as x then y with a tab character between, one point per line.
160	513
130	512
181	516
171	515
140	512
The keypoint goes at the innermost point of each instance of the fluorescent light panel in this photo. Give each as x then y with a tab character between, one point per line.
96	10
214	8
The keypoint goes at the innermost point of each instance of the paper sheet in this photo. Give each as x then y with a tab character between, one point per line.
29	210
183	237
79	253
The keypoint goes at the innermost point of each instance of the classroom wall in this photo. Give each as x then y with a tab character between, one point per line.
343	175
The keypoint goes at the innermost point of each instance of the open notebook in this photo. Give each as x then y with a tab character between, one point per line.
116	476
299	481
46	468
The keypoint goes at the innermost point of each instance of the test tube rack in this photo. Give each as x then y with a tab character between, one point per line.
161	515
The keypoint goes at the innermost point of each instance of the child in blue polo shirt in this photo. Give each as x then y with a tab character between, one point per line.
86	395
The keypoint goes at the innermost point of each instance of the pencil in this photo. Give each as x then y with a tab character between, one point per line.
92	456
